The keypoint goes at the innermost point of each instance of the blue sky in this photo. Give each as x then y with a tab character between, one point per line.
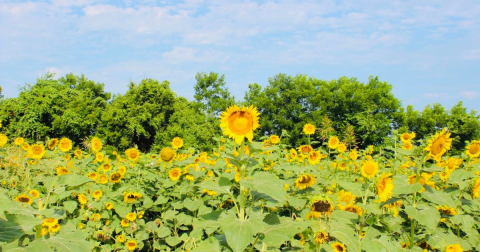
428	50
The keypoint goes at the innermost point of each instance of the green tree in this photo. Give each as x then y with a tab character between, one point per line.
211	93
69	107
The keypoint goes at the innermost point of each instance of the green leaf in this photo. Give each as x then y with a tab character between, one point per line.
163	232
71	242
345	234
239	233
70	206
9	231
210	245
281	229
439	197
296	203
401	186
428	216
173	240
73	180
354	188
192	205
267	184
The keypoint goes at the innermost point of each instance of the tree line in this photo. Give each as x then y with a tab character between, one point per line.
150	114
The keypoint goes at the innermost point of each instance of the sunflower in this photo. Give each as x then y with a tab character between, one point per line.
95	144
3	140
385	187
342	147
131	245
177	143
407	137
274	139
473	149
82	199
346	197
131	217
19	141
333	142
23	198
36	151
125	223
132	154
115	177
338	247
351	208
175	174
320	206
238	123
438	145
140	214
305	181
35	194
99	157
55	228
309	129
353	155
190	177
97	194
446	210
52	143
315	157
65	144
109	206
305	149
452	164
62	171
105	167
78	153
167	154
369	169
102	179
130	197
321	237
407	145
122	170
25	146
49	222
454	248
209	193
120	238
93	175
476	189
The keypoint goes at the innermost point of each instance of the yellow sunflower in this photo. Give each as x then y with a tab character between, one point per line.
274	139
97	194
78	153
454	248
55	228
305	181
342	147
19	141
52	143
321	237
96	144
99	157
346	197
175	174
82	199
109	206
167	154
320	206
369	169
238	123
49	222
131	245
293	154
209	192
333	142
25	146
407	137
309	129
476	189
36	151
131	217
446	210
125	223
34	193
338	247
105	167
305	149
190	177
177	143
3	140
438	145
132	154
452	164
407	145
121	238
353	155
473	149
385	187
65	144
115	177
62	171
122	170
23	198
315	157
93	175
131	197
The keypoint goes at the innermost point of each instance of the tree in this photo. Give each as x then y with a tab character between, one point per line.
211	93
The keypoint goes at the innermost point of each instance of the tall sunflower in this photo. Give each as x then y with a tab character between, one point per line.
315	157
3	140
238	123
36	151
274	139
309	129
167	154
438	145
132	154
385	187
305	181
369	169
175	174
407	137
177	143
473	149
52	143
65	144
333	142
95	144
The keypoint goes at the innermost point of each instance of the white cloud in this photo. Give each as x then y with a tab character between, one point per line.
469	94
439	96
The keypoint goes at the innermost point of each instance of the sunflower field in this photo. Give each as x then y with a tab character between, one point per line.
243	195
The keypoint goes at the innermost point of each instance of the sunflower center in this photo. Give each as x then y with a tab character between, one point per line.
37	150
438	146
116	176
321	206
23	199
240	122
339	248
305	179
474	148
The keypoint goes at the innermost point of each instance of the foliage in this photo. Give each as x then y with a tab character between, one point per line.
211	93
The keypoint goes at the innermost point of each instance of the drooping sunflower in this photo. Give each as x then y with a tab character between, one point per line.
305	181
19	141
274	139
476	189
96	144
209	192
446	210
309	129
115	177
167	154
407	137
320	206
177	143
62	171
454	248
65	144
305	149
438	145
385	187
3	140
321	237
52	143
315	157
333	142
23	198
97	194
473	149
132	154
131	217
238	123
175	174
369	169
36	151
131	245
338	247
